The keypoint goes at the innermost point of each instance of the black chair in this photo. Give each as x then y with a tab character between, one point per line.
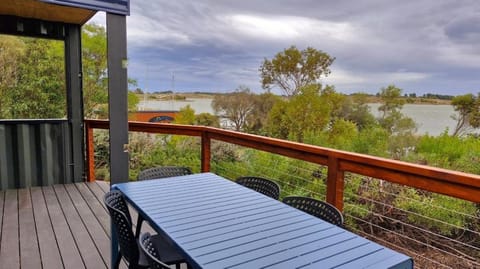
160	172
129	248
151	252
261	185
163	171
317	208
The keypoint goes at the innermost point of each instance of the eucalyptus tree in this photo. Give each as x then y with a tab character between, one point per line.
400	127
263	104
468	113
305	112
392	118
292	69
236	107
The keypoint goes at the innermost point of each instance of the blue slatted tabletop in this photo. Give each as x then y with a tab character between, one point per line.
217	223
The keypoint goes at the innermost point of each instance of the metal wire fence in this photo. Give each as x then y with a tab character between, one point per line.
437	231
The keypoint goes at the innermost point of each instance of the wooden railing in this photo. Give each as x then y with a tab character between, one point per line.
436	180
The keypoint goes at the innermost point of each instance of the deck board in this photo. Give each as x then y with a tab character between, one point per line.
9	249
96	206
69	251
61	226
29	252
104	187
88	251
48	246
95	229
96	189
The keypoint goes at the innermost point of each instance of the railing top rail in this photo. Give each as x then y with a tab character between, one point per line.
31	121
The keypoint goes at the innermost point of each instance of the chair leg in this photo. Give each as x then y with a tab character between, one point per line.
139	226
117	261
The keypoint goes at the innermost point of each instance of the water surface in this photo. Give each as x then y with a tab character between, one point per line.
431	119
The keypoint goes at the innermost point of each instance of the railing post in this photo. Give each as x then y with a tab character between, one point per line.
335	183
90	152
205	152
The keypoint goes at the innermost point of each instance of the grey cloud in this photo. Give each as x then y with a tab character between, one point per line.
432	41
464	30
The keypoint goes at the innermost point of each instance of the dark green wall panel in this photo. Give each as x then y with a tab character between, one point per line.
34	153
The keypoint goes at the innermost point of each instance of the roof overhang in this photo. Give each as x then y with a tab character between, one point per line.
33	9
121	7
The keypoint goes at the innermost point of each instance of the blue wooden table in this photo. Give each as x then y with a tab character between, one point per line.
217	223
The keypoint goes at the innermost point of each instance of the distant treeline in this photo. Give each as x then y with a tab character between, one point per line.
409	95
438	96
427	96
140	91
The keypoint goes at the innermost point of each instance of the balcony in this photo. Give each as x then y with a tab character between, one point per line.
67	225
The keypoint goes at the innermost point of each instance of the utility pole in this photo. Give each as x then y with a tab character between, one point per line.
173	90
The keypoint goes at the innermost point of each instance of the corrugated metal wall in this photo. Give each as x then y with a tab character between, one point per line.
34	153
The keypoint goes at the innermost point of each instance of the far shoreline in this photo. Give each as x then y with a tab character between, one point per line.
184	96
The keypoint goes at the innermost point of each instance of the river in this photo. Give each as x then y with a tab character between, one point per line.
431	119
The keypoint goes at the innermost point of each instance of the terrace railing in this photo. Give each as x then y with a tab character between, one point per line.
436	180
430	214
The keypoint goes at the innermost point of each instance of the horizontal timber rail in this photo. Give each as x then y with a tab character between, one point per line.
437	180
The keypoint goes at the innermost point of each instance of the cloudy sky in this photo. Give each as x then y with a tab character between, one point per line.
420	46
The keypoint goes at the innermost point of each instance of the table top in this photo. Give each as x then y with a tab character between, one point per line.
217	223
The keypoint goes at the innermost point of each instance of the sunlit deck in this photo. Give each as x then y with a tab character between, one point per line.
61	226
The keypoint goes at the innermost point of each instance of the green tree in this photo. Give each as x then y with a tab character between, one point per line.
391	100
12	50
186	115
207	119
94	52
95	80
292	69
392	119
400	127
304	112
236	107
36	75
40	82
277	124
133	101
359	111
468	113
337	102
342	134
372	140
263	104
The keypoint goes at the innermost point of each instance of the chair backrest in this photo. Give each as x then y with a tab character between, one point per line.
122	222
317	208
163	171
261	185
151	252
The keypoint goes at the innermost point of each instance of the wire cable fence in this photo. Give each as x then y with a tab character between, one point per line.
437	231
441	231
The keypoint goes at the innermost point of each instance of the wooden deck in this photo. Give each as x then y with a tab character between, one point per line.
61	226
